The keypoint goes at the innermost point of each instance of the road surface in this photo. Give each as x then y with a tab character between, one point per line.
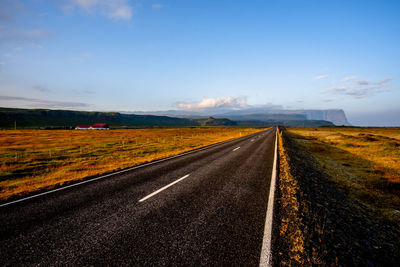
203	208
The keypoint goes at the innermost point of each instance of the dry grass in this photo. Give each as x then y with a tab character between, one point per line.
364	162
291	223
32	160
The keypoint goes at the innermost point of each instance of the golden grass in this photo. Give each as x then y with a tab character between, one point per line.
364	162
291	222
32	160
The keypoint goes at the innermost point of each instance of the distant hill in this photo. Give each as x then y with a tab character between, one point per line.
264	117
215	122
336	116
62	118
288	123
35	118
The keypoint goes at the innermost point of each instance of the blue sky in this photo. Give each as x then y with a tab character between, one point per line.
129	55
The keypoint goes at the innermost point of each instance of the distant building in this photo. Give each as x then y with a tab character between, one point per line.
82	127
97	126
100	126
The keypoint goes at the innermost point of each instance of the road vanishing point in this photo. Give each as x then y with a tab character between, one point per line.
205	207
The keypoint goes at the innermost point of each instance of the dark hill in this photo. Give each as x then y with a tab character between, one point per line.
215	122
67	118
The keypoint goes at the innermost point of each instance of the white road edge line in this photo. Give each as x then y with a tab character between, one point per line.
266	255
236	148
163	188
122	171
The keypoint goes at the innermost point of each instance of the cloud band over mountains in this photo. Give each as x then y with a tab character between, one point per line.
222	102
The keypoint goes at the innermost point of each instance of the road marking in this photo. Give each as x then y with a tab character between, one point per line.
252	140
122	171
266	256
236	148
163	188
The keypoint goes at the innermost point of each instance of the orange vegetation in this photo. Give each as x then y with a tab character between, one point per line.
35	159
364	162
291	221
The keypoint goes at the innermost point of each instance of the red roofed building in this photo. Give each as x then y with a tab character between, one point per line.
97	126
100	126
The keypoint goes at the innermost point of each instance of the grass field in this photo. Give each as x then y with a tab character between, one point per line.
32	160
364	162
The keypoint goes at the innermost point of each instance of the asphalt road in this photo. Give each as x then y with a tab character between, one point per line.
213	215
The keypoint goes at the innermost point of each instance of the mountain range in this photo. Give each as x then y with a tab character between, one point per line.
34	118
265	114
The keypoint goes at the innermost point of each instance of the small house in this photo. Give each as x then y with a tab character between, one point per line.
96	126
100	126
80	127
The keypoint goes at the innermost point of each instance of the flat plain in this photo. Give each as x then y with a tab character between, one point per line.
33	160
363	162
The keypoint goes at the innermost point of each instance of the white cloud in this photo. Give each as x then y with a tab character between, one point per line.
7	55
18	36
319	77
223	102
335	89
85	3
40	103
361	82
346	79
122	12
1	62
360	88
384	81
156	6
366	91
13	32
116	9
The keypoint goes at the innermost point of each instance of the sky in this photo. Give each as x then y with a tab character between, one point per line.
142	55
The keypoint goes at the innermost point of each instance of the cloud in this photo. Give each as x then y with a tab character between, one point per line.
85	3
327	100
366	91
361	82
384	81
320	77
361	88
223	102
156	6
2	63
115	9
346	79
19	36
11	31
7	55
41	103
40	88
335	89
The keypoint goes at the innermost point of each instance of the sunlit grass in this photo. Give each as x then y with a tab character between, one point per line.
290	219
35	159
364	162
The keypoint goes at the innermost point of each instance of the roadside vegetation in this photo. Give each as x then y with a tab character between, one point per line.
291	225
337	206
33	160
363	162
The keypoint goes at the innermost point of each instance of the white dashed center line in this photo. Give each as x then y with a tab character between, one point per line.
163	188
236	148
